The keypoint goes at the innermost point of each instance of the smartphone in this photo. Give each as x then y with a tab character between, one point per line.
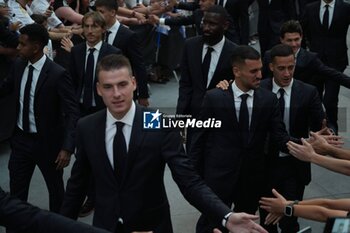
337	225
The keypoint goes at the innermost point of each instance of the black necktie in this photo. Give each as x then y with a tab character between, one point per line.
221	3
244	119
119	152
89	79
206	63
26	100
107	35
281	101
325	21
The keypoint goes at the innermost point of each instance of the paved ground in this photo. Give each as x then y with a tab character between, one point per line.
324	183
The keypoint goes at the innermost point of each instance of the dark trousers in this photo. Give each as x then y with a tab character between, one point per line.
291	187
25	155
245	199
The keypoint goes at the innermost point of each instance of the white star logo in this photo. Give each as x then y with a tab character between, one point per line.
155	115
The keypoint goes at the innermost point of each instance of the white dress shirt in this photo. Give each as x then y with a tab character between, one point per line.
111	130
20	14
330	10
237	97
36	72
96	54
114	29
40	7
215	55
287	97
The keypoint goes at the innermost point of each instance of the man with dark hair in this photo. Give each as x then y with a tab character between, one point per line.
325	25
231	159
128	163
84	58
308	68
46	117
205	62
301	110
128	42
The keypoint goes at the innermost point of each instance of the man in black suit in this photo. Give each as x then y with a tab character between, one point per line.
128	163
272	14
46	117
231	159
205	62
128	41
84	74
325	25
83	70
23	217
308	68
302	111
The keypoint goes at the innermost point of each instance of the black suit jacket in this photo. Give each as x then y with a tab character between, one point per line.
306	113
55	107
130	45
309	69
330	45
220	155
192	83
271	18
77	68
23	217
140	199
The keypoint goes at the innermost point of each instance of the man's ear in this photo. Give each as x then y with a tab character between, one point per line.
235	71
271	66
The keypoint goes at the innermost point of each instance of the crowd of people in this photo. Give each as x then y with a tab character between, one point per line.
74	78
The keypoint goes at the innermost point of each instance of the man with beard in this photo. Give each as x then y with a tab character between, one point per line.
46	114
231	158
205	62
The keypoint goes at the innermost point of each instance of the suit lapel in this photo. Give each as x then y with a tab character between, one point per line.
337	9
225	53
198	61
295	99
255	113
100	136
43	75
136	139
230	105
18	79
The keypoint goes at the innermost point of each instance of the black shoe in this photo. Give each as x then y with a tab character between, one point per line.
87	208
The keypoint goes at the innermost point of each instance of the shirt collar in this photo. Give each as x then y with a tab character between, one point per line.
97	46
217	46
115	27
238	92
287	89
38	65
127	119
329	4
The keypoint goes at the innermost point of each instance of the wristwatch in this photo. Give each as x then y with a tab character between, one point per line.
289	209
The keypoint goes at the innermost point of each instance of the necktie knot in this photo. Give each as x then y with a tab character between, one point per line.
281	91
107	36
210	49
31	68
91	50
119	125
244	97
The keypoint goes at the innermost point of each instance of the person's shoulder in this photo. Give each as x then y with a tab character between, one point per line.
90	120
194	40
303	87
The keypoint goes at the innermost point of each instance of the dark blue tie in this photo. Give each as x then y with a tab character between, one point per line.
89	79
325	21
119	152
281	101
244	119
26	100
206	63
